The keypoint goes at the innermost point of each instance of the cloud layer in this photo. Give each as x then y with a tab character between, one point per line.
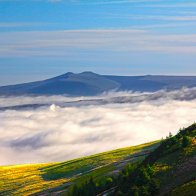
72	42
54	133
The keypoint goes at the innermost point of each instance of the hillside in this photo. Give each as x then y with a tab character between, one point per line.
58	177
169	170
167	167
89	83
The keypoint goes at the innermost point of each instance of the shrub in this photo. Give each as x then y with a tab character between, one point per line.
186	141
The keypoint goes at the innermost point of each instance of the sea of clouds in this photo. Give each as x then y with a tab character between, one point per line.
63	128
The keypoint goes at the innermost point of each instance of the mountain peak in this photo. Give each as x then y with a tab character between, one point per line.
85	73
88	74
69	73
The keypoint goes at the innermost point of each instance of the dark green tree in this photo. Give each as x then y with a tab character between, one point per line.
186	141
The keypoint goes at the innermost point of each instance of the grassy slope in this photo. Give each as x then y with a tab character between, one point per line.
54	177
176	170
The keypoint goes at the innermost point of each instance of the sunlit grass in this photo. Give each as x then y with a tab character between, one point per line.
24	179
161	167
35	178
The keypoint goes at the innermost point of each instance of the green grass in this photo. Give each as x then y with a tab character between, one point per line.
24	180
36	178
74	167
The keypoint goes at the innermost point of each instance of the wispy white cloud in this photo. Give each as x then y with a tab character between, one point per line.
24	24
72	42
157	17
169	5
159	26
30	0
90	2
102	2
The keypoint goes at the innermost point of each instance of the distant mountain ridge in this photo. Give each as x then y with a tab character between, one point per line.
89	84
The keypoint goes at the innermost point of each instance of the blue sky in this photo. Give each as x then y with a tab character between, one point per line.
44	38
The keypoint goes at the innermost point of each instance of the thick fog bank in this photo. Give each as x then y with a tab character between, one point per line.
56	133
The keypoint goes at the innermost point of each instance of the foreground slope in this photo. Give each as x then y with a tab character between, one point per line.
169	170
89	83
158	168
56	178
